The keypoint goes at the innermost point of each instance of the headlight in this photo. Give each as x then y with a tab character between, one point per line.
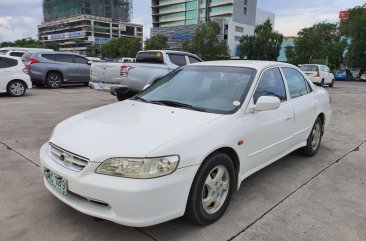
139	168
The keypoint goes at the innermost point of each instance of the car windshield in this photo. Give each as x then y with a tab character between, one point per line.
309	67
212	89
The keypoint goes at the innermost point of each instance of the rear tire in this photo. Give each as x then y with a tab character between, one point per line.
86	83
211	190
314	139
54	80
16	88
322	83
331	84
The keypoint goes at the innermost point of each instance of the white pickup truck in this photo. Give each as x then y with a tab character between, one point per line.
149	66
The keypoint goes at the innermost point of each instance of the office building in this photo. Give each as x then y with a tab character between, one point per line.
82	26
178	19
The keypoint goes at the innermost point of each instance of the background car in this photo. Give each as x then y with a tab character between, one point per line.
362	74
14	79
19	52
55	68
345	74
318	74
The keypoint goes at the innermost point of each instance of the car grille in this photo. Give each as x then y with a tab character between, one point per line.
67	159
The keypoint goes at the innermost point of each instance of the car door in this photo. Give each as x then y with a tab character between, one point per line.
70	70
303	103
83	73
7	68
268	133
3	78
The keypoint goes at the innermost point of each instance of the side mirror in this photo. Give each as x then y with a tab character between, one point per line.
146	86
266	103
89	62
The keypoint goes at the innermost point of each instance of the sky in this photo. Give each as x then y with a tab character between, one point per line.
19	18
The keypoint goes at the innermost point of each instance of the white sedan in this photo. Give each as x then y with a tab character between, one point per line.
14	78
184	145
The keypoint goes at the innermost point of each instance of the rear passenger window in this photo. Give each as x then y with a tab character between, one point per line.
7	63
176	59
193	60
16	54
271	84
51	57
79	60
296	83
64	58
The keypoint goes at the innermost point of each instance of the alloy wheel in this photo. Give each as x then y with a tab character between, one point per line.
315	136
215	189
17	89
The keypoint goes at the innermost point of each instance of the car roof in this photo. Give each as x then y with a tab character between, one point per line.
255	64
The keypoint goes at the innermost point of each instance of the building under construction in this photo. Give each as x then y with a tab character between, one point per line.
83	25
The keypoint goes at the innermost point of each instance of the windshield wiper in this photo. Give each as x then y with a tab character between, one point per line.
139	99
177	104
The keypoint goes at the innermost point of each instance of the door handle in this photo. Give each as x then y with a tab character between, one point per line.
289	118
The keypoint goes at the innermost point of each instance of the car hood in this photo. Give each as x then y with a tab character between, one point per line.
126	129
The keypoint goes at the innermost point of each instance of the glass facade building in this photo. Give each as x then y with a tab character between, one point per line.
114	9
173	13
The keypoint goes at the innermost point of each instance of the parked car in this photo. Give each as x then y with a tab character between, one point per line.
343	75
318	74
55	68
14	79
150	66
19	52
182	146
362	74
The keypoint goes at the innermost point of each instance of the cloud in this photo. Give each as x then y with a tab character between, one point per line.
292	16
13	28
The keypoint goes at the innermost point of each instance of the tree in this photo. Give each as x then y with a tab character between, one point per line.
354	29
206	43
263	45
121	47
29	43
321	41
157	42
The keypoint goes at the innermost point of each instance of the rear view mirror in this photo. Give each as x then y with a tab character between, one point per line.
266	103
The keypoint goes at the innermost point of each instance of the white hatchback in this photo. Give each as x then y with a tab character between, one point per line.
14	79
318	74
183	145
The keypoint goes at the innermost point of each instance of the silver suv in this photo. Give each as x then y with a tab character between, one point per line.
54	68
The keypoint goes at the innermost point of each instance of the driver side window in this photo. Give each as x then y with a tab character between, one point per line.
271	84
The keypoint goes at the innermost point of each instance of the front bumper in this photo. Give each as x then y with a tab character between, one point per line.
131	202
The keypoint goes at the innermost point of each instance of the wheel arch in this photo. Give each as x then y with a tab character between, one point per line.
25	83
54	71
234	158
321	116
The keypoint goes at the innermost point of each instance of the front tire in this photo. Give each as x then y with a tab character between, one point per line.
54	80
16	88
314	139
211	190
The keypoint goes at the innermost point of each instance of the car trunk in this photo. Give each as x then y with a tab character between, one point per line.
310	70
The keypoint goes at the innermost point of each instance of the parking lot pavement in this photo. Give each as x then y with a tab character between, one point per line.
296	198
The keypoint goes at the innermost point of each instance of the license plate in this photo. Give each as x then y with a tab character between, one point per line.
106	86
55	180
